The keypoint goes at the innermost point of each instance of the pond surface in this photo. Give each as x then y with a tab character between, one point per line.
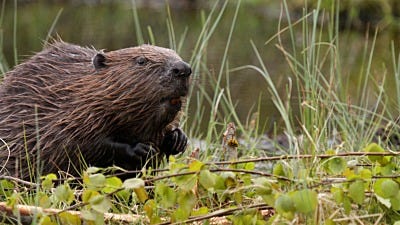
111	26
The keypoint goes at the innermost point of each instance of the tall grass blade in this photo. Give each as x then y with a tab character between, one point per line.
138	29
53	25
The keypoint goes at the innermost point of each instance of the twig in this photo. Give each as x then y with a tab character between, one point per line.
306	156
218	170
17	180
27	210
250	172
359	217
222	213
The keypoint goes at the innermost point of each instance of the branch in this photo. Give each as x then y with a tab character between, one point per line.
27	210
306	156
17	180
218	217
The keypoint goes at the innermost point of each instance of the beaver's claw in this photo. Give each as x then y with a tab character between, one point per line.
174	142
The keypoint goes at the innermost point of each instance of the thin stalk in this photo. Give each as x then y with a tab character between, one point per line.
53	25
222	68
138	29
170	28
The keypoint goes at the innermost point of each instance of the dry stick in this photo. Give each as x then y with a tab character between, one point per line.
360	217
229	143
17	180
306	156
26	210
221	213
217	170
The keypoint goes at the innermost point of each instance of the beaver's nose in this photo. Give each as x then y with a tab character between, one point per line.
181	69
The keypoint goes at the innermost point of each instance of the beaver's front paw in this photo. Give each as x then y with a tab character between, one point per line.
131	156
174	142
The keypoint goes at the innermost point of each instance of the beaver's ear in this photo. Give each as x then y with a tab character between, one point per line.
99	61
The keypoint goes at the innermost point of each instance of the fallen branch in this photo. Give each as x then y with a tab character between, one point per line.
28	210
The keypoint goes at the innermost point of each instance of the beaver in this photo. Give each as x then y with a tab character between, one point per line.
69	106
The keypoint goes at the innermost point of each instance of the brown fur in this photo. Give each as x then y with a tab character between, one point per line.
60	98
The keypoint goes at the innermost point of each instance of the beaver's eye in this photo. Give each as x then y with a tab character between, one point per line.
141	60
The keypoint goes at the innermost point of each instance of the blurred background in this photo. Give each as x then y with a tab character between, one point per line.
109	25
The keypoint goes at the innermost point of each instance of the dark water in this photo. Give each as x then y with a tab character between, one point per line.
111	26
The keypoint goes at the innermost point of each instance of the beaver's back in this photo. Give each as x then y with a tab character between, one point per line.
69	102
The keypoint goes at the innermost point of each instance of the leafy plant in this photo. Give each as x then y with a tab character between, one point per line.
332	169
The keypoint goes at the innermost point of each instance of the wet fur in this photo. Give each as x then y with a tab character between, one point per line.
79	106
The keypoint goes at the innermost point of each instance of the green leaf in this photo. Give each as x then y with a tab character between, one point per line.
87	195
92	170
187	201
141	194
238	197
263	187
180	214
64	193
70	219
100	203
112	184
124	195
249	166
280	170
47	182
365	174
356	191
337	165
337	194
247	179
186	182
43	200
373	147
150	208
349	174
390	188
395	202
230	179
387	170
45	220
346	205
133	183
95	181
166	195
207	179
329	222
219	183
305	201
284	204
195	166
6	188
330	152
176	167
88	215
200	211
386	188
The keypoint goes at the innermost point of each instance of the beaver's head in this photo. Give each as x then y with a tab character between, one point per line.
149	84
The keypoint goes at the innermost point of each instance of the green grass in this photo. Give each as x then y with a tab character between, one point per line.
319	178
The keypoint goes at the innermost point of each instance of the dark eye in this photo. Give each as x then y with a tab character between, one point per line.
141	60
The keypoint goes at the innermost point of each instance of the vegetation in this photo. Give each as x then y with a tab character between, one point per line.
332	169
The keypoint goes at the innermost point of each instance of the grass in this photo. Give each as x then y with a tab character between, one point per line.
329	172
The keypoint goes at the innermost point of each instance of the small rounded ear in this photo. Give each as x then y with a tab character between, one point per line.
99	61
